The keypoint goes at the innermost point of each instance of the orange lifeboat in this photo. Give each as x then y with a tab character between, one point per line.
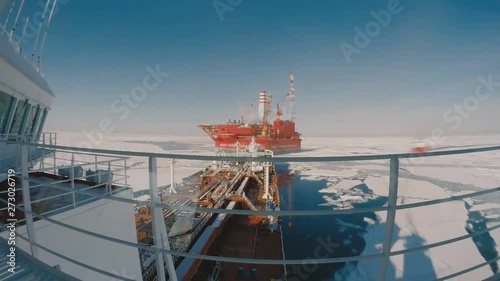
420	148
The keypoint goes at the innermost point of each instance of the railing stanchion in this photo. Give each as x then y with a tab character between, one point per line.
391	217
25	185
55	168
125	168
72	175
159	228
110	182
172	180
170	262
42	161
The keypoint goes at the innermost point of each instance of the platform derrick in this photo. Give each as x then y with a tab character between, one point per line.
277	135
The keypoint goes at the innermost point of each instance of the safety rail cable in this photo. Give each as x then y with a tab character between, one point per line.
280	212
391	208
258	261
263	158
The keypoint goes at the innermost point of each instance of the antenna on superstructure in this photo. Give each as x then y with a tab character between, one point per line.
19	44
45	35
39	30
16	20
8	16
292	99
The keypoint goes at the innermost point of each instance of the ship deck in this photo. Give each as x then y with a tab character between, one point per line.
239	239
49	196
246	237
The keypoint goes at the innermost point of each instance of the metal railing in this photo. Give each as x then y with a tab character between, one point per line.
161	246
17	46
42	138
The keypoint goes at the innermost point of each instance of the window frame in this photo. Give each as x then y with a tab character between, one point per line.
31	121
23	115
41	123
5	126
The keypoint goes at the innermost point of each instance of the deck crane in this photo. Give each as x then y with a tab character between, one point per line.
289	101
280	105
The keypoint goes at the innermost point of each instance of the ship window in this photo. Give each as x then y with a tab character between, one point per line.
35	110
19	116
6	103
40	124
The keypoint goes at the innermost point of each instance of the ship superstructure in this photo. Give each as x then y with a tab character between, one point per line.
278	135
39	185
25	96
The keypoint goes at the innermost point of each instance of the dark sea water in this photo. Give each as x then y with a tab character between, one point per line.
319	236
342	235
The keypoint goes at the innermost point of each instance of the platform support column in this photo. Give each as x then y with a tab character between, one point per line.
391	218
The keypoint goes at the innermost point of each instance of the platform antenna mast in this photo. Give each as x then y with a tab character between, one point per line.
292	99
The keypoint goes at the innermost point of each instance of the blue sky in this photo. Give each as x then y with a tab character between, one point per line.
427	58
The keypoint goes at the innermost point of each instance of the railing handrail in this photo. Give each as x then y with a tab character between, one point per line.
260	261
160	249
34	138
264	159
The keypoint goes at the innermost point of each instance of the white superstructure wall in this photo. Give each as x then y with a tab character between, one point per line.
106	217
